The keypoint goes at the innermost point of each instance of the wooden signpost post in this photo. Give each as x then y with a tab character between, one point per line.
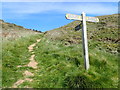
83	18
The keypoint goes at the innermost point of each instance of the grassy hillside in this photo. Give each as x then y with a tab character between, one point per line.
60	57
104	33
15	41
63	66
12	31
15	53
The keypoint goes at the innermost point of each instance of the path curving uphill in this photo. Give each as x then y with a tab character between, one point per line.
32	64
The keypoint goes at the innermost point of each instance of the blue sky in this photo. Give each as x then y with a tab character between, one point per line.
45	16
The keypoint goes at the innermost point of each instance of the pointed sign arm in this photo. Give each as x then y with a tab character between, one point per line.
78	17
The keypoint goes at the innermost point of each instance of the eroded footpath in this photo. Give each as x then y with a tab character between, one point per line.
33	64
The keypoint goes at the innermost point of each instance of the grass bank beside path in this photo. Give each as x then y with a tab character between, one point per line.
15	53
61	66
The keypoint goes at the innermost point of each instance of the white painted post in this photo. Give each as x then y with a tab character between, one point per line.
83	18
85	42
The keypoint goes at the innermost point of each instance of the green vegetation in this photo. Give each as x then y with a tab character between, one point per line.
104	33
63	66
60	57
12	31
15	53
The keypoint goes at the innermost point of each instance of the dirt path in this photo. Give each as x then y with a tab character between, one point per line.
32	64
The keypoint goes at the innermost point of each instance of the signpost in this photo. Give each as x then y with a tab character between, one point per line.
83	18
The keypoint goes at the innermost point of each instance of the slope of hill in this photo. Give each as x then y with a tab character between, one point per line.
60	57
104	32
15	41
12	31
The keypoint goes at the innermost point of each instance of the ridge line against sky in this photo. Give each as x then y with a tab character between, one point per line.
59	0
49	15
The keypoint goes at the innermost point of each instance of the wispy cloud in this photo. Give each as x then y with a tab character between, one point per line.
22	9
27	7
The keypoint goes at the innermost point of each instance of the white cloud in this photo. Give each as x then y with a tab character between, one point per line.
23	9
91	8
60	0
